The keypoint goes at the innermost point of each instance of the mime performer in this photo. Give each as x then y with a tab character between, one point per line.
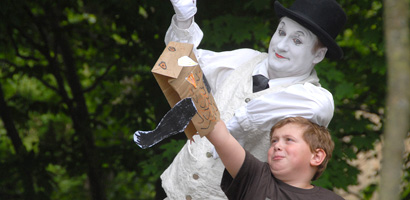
254	90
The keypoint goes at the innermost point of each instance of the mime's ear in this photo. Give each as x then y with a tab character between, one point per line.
318	157
319	55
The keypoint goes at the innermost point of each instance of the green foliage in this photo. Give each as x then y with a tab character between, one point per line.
67	187
112	45
368	191
406	178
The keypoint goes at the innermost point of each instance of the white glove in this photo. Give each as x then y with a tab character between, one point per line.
185	9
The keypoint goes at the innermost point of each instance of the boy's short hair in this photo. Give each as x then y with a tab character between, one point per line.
317	137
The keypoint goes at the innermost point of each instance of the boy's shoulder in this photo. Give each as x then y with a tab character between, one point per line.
328	194
316	193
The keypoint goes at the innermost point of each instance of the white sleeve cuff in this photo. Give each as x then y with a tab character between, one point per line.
193	34
241	116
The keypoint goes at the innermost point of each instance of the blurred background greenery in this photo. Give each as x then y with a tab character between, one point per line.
75	84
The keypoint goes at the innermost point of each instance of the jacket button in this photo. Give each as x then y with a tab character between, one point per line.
188	197
208	154
247	100
195	176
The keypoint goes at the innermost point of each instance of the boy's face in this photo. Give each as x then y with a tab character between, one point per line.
290	50
289	155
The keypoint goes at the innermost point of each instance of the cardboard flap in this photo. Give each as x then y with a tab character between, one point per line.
169	57
178	82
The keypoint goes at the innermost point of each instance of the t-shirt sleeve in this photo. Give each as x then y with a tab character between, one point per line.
249	175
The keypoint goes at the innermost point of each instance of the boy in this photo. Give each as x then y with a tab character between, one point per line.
299	153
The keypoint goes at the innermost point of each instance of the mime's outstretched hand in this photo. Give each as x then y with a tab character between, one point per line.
184	9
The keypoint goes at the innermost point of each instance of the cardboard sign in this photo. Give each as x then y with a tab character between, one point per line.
179	82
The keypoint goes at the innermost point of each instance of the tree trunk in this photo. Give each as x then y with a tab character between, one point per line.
396	21
80	116
25	158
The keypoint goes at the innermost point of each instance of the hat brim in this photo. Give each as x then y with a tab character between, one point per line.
334	51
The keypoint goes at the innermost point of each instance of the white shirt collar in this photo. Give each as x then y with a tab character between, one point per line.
262	69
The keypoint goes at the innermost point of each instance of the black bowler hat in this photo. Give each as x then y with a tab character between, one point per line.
325	18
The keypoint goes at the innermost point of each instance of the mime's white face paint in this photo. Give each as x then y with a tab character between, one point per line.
290	50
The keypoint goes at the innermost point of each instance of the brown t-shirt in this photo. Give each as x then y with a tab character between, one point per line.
255	181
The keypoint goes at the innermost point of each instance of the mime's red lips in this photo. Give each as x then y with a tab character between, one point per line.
279	56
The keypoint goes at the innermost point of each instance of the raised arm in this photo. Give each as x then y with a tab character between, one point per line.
185	11
230	151
305	100
183	27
